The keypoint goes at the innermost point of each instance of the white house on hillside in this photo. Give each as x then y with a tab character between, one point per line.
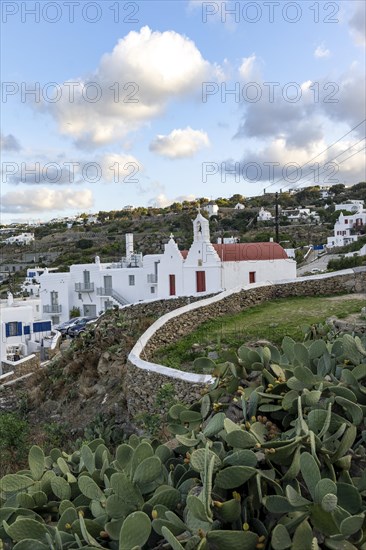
347	229
353	206
22	239
264	215
204	268
300	214
211	208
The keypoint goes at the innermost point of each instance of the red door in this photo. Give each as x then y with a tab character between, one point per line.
251	277
200	281
172	285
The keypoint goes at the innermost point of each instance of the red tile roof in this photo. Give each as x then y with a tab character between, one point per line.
247	252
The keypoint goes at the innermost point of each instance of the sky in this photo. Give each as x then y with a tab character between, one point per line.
112	103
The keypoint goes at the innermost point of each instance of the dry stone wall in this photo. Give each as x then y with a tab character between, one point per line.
20	368
144	379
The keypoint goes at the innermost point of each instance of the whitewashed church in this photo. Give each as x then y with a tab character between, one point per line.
205	268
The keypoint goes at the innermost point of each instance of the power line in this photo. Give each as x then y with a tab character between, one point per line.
296	184
321	152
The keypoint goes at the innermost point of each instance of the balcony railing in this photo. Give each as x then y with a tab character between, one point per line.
152	279
103	291
52	308
84	287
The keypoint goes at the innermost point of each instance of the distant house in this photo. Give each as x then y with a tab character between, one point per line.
353	206
264	215
325	193
21	240
211	208
91	220
227	240
204	268
239	206
300	214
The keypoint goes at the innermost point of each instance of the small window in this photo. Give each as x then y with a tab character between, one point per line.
152	290
37	309
251	277
131	280
54	298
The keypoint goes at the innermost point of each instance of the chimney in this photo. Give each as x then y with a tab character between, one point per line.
129	245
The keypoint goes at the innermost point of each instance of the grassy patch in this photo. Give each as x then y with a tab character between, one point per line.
270	321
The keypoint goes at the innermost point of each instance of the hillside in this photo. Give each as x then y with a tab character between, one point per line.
57	246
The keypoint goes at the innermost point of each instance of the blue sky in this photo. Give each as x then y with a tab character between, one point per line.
175	131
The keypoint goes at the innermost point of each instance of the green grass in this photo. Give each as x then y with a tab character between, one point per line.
269	321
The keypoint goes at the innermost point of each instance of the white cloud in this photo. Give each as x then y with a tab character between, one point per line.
119	168
180	143
44	199
246	69
274	161
302	123
321	51
44	170
136	81
357	23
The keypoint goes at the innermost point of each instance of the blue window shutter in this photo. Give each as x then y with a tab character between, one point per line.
26	330
48	325
7	330
19	329
37	327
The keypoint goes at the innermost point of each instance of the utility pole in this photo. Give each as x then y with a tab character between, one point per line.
277	219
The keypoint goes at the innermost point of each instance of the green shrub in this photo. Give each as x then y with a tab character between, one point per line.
345	263
13	438
74	312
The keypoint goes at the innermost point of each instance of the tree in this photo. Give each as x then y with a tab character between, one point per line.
337	188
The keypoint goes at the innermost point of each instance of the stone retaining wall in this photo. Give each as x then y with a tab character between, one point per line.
144	379
25	366
187	322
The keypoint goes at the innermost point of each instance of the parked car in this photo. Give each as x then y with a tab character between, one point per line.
64	327
80	326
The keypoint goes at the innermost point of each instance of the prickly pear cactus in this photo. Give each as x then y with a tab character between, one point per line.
273	457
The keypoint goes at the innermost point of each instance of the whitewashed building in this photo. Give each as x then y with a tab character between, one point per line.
353	206
300	214
347	229
23	330
22	239
211	208
31	283
264	215
239	206
204	268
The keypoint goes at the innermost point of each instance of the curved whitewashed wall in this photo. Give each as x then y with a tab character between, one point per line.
144	378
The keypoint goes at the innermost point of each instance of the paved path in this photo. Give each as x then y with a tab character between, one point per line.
319	262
